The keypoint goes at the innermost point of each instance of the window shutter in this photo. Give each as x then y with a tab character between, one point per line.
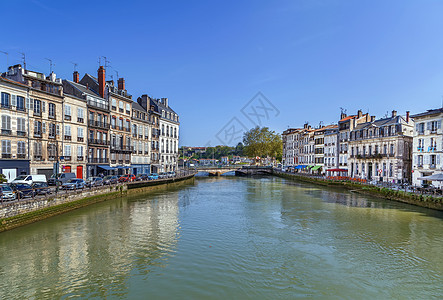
58	130
437	159
44	127
43	106
13	100
438	124
426	159
428	125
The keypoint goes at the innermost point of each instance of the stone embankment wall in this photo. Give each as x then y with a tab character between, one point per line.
428	201
24	212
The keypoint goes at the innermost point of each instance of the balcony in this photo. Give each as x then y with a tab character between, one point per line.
80	158
22	156
80	120
6	155
38	158
127	161
93	160
67	137
21	133
432	149
6	131
52	158
420	149
38	134
67	118
98	124
432	166
120	161
51	116
98	142
51	136
113	161
67	158
103	106
80	139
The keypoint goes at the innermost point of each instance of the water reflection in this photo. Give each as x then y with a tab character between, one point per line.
128	238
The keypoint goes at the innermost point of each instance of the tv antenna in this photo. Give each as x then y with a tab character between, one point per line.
106	62
75	66
7	57
116	73
24	59
50	64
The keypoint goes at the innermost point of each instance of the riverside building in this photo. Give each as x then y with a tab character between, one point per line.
427	146
380	150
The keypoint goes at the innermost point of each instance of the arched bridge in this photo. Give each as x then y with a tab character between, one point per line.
239	170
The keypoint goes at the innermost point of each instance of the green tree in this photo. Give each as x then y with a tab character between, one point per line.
263	142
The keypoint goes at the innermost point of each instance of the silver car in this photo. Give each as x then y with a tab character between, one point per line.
7	193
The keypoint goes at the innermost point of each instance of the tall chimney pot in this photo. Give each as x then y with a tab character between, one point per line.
407	117
101	81
76	77
394	113
121	84
359	113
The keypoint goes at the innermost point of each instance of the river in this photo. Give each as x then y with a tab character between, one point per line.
229	238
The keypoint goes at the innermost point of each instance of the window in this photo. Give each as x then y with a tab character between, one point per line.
80	132
420	128
67	150
420	161
385	149
80	151
52	152
120	106
21	149
52	130
114	104
128	108
67	112
51	110
113	122
79	114
128	125
432	126
21	126
37	150
37	128
120	124
67	132
163	129
392	149
37	107
6	124
391	169
6	149
20	103
5	100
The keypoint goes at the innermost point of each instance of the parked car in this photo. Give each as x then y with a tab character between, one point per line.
30	179
153	176
7	194
110	179
62	178
127	178
23	190
74	184
163	175
141	177
41	188
94	181
171	174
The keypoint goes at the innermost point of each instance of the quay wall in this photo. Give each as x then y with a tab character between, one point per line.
428	201
16	214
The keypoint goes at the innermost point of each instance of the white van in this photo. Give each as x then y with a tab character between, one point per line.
30	179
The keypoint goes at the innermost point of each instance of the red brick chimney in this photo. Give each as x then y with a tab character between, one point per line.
76	77
407	117
101	81
121	84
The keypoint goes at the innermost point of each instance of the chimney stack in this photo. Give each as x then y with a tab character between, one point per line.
343	115
121	84
101	81
76	77
372	118
165	101
407	117
359	113
394	113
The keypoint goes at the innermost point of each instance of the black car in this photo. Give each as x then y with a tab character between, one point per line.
23	190
41	188
110	179
141	177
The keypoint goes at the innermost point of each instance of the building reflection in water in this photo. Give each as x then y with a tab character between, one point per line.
91	252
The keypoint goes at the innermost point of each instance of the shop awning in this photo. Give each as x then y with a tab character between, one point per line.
105	167
310	167
435	177
315	168
300	167
337	170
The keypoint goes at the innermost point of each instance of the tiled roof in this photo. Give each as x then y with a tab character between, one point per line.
348	118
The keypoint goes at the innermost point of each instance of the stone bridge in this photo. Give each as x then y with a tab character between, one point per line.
239	170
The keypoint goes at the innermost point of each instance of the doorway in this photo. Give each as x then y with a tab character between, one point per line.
80	172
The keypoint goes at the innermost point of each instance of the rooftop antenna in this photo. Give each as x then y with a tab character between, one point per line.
75	66
24	59
99	61
7	57
116	73
106	62
50	64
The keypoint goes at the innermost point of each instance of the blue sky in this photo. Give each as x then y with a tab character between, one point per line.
307	57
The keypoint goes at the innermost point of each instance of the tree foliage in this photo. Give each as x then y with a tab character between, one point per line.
263	142
216	152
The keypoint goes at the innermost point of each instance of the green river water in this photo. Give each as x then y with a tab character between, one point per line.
229	238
